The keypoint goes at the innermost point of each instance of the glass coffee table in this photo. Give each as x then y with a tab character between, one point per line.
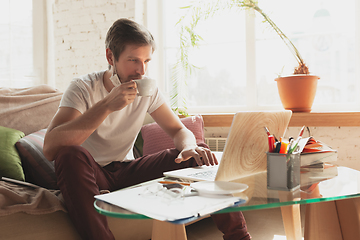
331	195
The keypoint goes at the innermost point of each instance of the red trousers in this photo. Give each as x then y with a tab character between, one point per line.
80	178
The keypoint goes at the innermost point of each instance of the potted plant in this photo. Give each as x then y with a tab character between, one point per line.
296	91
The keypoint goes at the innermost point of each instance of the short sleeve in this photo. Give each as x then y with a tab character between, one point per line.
156	101
76	96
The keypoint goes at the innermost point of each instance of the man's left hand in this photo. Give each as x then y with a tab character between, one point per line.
202	156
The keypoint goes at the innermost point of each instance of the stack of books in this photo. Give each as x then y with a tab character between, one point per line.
313	154
317	160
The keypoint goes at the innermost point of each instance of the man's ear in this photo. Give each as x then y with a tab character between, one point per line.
110	56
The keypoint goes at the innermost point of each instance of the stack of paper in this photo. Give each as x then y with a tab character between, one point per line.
153	201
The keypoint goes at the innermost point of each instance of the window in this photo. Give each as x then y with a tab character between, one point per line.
240	55
326	34
22	48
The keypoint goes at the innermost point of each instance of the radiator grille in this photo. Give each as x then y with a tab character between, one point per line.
216	144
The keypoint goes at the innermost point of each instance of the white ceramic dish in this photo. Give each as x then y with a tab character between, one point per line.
218	187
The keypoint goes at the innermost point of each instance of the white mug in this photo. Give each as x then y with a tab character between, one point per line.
145	86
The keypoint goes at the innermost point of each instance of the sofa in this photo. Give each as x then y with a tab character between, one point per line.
28	212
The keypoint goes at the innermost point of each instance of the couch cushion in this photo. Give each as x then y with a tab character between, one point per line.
28	109
38	170
10	163
23	226
155	139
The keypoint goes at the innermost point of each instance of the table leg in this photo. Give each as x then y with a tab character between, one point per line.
168	231
292	221
322	222
349	217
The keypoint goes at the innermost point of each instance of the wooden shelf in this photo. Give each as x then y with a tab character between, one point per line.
312	119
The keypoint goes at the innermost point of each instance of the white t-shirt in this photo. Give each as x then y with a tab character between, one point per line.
114	139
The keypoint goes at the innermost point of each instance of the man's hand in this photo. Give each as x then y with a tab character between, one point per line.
121	96
202	156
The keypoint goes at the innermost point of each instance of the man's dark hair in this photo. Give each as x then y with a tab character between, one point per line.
124	32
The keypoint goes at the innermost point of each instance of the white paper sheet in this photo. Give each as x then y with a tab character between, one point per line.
151	201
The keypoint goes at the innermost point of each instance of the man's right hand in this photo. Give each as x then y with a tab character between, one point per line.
121	96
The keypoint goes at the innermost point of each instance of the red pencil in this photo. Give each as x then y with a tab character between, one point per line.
301	131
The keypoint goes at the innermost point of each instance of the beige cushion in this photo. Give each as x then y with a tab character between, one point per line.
58	226
28	213
22	226
28	109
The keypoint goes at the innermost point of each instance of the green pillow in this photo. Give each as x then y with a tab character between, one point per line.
10	162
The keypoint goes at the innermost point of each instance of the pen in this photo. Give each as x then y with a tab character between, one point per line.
271	140
301	131
277	147
295	145
267	131
290	144
172	182
283	147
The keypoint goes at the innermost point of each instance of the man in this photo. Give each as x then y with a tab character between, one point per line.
92	135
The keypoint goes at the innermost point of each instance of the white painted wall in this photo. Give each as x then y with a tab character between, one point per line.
79	29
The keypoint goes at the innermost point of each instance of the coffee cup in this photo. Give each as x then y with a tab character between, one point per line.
145	86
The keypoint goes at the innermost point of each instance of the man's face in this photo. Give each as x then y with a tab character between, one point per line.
133	62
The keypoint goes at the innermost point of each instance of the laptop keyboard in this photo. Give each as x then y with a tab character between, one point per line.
208	175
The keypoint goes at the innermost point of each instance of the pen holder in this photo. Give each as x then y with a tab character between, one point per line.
283	171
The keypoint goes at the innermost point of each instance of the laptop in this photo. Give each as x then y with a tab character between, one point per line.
245	147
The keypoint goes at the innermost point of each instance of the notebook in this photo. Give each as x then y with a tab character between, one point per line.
245	147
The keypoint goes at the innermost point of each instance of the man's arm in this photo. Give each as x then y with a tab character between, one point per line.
183	138
70	127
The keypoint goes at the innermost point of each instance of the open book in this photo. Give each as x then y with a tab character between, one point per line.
314	152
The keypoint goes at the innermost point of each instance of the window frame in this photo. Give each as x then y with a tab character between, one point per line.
39	75
40	45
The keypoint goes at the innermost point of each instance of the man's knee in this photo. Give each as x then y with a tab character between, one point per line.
68	154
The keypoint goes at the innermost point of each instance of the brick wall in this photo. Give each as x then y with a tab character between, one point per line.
80	28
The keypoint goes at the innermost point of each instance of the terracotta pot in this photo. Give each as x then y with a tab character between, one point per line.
297	92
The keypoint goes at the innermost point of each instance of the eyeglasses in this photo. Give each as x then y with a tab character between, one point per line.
163	193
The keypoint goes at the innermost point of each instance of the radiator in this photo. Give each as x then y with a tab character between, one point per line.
216	144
